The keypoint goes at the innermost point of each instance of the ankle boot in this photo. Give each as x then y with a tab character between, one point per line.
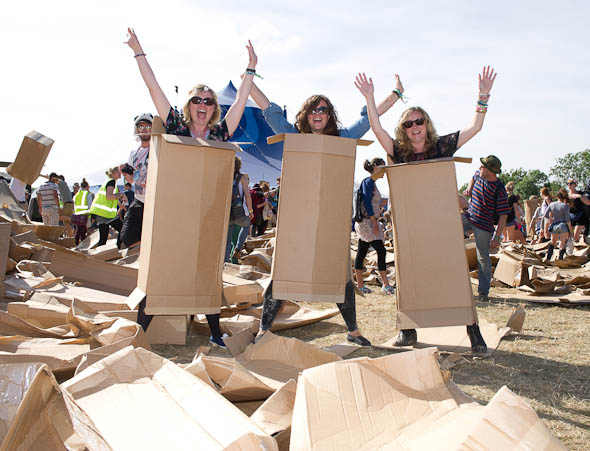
561	254
478	345
549	252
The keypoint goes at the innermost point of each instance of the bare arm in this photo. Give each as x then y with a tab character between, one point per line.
158	97
365	86
111	195
501	224
390	100
486	81
259	98
39	203
234	114
469	189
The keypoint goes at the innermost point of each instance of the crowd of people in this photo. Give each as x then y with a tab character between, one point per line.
493	212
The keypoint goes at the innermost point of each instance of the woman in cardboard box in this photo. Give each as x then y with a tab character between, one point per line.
200	119
318	116
415	140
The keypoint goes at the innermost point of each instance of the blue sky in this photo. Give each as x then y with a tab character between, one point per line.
66	73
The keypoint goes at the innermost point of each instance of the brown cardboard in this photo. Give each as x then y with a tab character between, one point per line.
312	249
471	251
237	290
31	157
26	237
433	287
530	205
92	273
33	414
404	401
4	249
185	225
511	271
275	414
44	315
106	252
168	407
163	329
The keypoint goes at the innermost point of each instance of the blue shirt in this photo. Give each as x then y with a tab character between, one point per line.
367	189
487	198
279	124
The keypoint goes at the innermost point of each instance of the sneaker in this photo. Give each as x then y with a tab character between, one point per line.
406	337
360	340
483	298
388	290
218	341
365	290
478	345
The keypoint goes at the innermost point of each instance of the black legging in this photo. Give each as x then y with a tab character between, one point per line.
363	248
103	230
271	307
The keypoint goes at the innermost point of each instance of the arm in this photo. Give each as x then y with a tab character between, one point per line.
39	203
501	224
486	81
110	193
390	100
469	188
158	97
365	86
247	196
259	98
56	198
234	114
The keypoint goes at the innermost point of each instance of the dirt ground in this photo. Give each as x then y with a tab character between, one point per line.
548	363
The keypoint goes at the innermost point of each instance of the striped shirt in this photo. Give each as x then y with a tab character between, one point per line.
487	198
45	193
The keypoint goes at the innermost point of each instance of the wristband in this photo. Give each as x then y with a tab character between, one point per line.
138	54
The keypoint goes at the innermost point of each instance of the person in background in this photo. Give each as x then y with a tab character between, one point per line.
75	189
105	206
82	202
561	224
577	211
66	209
136	172
48	200
18	188
241	212
129	193
257	199
538	220
512	232
369	229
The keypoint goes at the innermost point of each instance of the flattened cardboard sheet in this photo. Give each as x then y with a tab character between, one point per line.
138	386
313	226
31	157
433	287
185	225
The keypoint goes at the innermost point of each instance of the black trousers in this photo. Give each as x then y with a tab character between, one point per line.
131	230
363	248
103	230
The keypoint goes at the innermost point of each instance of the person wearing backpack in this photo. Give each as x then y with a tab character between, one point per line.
368	228
241	212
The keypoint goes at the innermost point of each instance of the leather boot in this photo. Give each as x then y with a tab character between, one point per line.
406	337
478	345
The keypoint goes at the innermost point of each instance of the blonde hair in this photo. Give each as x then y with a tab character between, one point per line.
404	144
193	92
510	186
109	172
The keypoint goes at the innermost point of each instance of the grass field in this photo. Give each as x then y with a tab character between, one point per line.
548	363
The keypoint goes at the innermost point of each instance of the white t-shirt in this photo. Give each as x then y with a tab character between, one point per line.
139	160
45	193
18	189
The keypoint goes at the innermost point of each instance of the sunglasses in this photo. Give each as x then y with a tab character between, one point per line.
320	110
408	124
143	128
196	100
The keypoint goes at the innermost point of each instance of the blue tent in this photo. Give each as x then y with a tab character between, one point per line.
261	161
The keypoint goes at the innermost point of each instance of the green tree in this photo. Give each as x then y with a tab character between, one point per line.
573	165
526	183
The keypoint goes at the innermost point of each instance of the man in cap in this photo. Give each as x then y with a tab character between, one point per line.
488	202
135	171
48	200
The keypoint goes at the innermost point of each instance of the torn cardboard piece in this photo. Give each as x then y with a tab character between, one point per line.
404	401
136	380
275	414
31	157
311	255
163	329
33	414
432	277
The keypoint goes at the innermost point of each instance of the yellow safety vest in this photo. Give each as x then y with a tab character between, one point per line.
101	205
81	202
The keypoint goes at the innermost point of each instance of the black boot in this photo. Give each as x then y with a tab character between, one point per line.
549	252
406	337
478	345
561	254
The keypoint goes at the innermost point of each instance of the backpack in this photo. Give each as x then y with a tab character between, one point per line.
357	213
237	199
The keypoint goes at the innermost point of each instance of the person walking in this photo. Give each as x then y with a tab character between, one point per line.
241	212
48	200
561	224
105	206
82	202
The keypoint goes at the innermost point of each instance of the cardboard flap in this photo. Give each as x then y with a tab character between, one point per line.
430	161
281	137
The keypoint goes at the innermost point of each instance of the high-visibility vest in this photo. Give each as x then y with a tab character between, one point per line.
101	205
81	202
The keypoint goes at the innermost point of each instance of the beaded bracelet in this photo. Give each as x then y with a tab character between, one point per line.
480	109
253	72
139	54
482	103
400	95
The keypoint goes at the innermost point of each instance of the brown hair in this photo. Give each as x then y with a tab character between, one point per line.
238	165
563	195
302	124
371	165
545	192
264	187
403	143
193	92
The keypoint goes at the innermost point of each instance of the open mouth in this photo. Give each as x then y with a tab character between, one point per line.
201	114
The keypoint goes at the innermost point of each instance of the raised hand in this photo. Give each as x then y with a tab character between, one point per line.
252	54
364	85
133	42
486	80
398	84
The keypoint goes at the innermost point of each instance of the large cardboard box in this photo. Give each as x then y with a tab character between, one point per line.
433	286
313	228
31	157
185	224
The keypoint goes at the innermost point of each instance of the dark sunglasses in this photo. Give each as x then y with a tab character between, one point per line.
408	124
196	100
320	110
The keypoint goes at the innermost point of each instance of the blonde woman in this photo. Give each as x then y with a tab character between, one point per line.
105	205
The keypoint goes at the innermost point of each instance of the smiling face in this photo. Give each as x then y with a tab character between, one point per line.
317	118
201	113
416	133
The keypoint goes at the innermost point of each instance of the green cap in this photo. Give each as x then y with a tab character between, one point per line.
492	163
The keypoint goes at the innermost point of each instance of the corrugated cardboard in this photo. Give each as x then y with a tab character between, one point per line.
31	157
405	401
275	414
185	225
33	414
163	329
511	271
471	251
161	406
433	287
5	229
530	205
92	273
313	226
